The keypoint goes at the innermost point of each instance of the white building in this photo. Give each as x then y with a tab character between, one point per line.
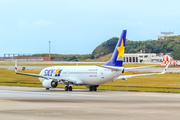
142	57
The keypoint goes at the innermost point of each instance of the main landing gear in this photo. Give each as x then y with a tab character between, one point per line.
68	88
93	88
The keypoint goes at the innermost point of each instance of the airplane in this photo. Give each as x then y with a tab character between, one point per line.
89	76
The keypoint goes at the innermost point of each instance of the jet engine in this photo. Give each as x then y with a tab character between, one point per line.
49	84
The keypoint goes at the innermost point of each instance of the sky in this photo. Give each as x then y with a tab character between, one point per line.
79	26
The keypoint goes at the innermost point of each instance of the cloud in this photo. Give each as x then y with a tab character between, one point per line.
22	23
42	22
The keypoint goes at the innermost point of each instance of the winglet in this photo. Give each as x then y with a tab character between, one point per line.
165	68
15	68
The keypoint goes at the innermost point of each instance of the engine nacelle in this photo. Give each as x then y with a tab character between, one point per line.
49	84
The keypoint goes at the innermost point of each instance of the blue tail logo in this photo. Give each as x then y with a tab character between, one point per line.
118	55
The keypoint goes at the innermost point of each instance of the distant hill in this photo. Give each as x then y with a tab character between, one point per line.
104	58
105	48
168	45
103	52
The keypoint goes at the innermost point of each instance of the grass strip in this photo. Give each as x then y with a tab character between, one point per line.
168	82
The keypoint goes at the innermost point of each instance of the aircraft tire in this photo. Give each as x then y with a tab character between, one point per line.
95	88
91	88
70	88
66	88
47	88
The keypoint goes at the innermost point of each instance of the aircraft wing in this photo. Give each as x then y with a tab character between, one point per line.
138	67
129	76
39	76
117	69
65	80
34	75
29	74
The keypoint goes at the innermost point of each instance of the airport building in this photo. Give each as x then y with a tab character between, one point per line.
142	57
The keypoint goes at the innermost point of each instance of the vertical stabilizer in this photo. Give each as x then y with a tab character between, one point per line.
118	54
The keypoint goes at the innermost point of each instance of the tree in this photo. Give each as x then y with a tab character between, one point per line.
176	53
72	58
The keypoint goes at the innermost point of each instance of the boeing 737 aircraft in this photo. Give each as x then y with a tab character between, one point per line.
89	76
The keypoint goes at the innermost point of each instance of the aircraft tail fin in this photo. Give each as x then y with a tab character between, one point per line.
118	54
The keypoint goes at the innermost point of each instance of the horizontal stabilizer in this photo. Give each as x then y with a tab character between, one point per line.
112	68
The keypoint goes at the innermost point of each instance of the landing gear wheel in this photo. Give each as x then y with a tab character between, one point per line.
95	88
66	88
47	88
70	88
91	88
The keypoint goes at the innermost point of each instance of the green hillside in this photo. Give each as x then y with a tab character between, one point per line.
104	58
105	48
167	45
102	51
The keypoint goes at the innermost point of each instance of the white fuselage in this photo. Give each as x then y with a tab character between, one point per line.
85	75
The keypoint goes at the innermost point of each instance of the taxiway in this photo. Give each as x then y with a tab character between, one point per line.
27	103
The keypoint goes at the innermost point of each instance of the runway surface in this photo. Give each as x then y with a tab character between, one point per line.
29	103
177	70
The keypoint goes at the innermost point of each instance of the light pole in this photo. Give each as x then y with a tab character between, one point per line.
49	49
